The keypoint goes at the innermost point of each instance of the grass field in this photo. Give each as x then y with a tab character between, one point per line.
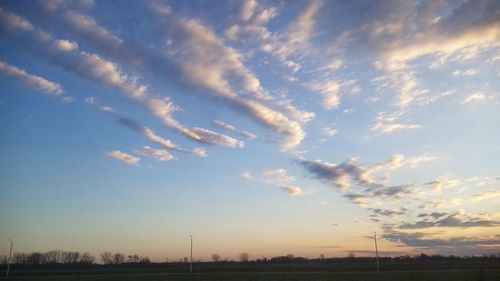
463	270
435	275
431	275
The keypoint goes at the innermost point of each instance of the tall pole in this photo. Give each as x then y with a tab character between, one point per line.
376	251
10	254
191	259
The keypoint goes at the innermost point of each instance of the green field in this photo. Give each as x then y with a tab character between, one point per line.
458	275
461	270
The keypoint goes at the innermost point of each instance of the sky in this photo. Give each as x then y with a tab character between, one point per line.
266	127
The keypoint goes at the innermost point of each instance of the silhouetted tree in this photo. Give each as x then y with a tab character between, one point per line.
70	257
244	257
132	258
53	257
118	258
216	257
107	258
20	258
35	258
87	259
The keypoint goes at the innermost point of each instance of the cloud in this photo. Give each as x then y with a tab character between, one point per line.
66	100
122	156
280	178
301	29
435	215
397	161
453	220
89	100
416	161
159	154
452	245
276	177
232	31
206	62
157	139
358	180
106	109
231	128
387	213
475	97
88	27
483	32
152	136
329	131
246	174
109	73
395	192
340	175
330	91
34	81
161	9
488	194
212	137
441	184
388	122
468	72
199	152
292	190
247	9
12	20
66	45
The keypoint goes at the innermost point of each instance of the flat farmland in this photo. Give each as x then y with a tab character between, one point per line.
437	275
461	270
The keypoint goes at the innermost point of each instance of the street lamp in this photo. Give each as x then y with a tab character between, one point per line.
10	254
376	250
191	259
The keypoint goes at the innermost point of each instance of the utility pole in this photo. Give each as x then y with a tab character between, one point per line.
376	251
191	259
10	254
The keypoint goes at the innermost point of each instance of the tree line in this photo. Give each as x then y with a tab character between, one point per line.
57	257
75	258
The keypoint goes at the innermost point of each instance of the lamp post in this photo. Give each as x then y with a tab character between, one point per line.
191	259
10	254
376	251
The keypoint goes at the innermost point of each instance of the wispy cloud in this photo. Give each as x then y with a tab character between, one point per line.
208	63
340	175
389	122
488	194
12	20
122	156
159	154
34	81
231	128
212	137
247	9
453	245
475	97
280	178
452	220
109	73
275	177
300	30
246	174
329	131
152	136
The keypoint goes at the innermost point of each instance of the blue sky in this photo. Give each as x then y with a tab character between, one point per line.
267	127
